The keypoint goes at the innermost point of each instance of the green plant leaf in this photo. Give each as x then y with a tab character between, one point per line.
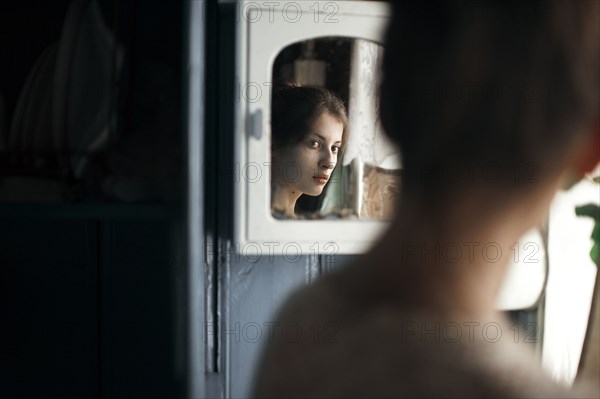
595	253
591	210
596	232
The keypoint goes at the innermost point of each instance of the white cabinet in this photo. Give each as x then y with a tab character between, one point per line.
264	29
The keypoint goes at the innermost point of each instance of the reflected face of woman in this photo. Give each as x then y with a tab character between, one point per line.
306	167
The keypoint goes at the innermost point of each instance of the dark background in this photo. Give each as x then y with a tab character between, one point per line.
91	299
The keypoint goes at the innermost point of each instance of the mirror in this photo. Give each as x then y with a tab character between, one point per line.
354	206
329	156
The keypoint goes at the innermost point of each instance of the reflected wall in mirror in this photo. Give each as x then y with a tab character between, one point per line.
329	156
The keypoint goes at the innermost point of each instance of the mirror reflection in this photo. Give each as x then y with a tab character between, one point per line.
329	156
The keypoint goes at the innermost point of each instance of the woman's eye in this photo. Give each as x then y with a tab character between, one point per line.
313	143
335	149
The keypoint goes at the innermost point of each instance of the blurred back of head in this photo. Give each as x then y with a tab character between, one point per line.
501	84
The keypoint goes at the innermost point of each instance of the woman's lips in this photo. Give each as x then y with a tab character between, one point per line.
320	180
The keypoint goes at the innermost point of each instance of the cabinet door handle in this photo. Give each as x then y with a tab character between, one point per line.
255	123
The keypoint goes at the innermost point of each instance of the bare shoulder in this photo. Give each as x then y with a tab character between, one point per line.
335	346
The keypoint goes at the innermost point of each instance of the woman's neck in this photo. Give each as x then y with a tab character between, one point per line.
421	263
284	199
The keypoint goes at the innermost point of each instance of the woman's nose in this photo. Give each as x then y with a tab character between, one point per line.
328	159
328	165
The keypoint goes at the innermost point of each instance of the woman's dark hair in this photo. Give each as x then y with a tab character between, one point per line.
295	109
504	85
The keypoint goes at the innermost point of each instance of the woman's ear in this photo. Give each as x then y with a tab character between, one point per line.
591	153
585	160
